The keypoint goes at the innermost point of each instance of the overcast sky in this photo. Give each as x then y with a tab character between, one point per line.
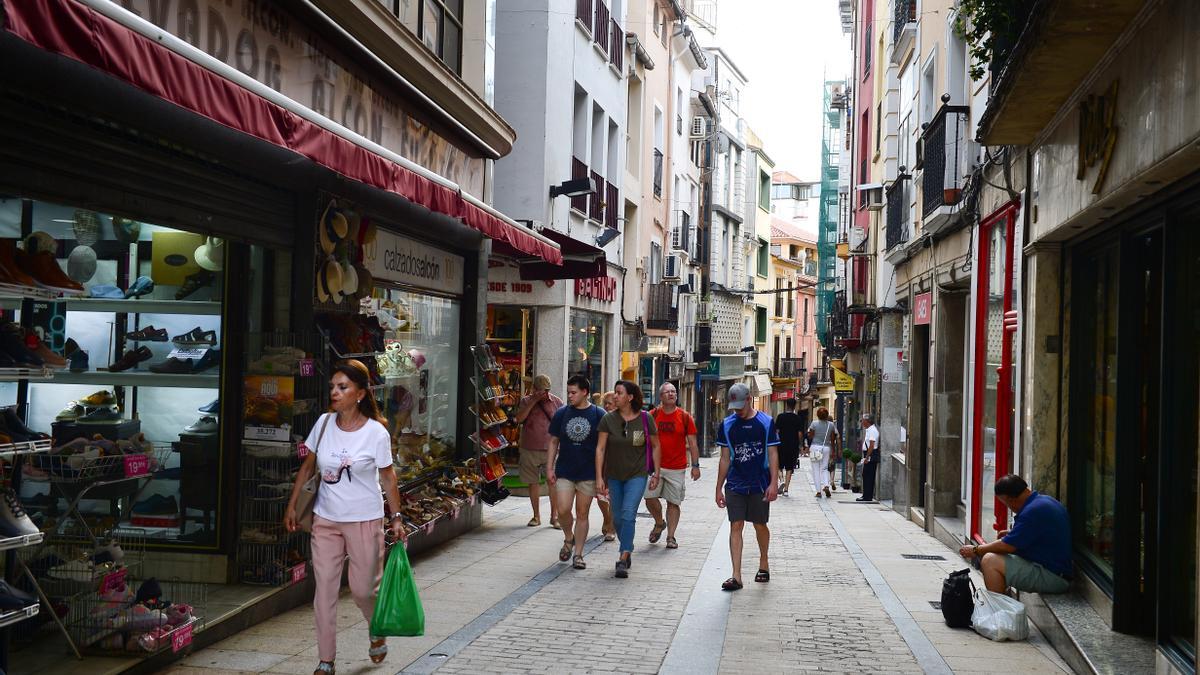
787	48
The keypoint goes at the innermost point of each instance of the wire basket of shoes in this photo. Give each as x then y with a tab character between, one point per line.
136	616
73	562
87	461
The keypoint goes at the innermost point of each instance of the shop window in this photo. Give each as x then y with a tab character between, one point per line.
133	353
587	349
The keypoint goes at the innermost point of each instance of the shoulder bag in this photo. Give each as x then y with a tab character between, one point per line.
307	499
817	455
646	439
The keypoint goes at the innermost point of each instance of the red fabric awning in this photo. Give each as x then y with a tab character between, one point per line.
78	32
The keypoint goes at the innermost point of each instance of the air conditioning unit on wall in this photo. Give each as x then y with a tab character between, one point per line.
699	127
673	269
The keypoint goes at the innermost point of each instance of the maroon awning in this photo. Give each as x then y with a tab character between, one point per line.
78	32
579	261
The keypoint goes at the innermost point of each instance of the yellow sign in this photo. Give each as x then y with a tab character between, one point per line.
842	381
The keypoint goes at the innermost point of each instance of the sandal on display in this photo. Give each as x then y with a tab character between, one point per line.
147	334
564	553
130	359
731	584
378	650
762	577
194	282
195	336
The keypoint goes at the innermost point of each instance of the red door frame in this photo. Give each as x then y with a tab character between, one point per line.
1005	216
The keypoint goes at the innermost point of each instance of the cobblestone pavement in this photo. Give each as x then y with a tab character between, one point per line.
818	613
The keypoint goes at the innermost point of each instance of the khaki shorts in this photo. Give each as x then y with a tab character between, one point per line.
671	486
1031	577
531	466
583	487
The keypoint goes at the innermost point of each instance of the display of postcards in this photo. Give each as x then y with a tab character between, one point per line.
493	467
484	358
490	440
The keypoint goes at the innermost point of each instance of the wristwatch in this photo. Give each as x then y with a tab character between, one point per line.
695	465
394	516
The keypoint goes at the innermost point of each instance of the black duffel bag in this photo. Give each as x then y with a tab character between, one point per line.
958	599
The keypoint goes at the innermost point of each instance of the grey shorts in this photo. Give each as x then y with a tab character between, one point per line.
1031	577
753	507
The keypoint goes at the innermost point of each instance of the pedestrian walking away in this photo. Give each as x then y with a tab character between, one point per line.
677	437
823	442
748	479
870	458
629	442
788	423
534	415
1035	555
571	465
351	452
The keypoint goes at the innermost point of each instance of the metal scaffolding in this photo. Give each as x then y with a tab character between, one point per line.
833	105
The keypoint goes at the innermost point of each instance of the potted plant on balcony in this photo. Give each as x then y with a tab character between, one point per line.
950	196
991	29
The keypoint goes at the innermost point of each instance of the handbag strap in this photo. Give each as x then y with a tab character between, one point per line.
646	440
321	433
828	428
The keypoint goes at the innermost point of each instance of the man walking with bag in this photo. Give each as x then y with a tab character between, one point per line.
748	479
677	436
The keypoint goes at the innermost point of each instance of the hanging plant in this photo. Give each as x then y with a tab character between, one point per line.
990	29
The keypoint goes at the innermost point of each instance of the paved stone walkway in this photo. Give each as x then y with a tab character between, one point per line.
841	599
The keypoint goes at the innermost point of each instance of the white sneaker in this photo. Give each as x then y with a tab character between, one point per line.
13	517
204	425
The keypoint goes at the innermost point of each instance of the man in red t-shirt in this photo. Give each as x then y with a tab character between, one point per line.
677	434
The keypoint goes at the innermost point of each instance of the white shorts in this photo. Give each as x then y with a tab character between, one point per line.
671	486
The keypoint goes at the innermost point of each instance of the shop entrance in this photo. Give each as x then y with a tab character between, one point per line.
1133	425
991	442
510	334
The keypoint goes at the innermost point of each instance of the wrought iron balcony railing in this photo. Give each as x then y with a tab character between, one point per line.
945	141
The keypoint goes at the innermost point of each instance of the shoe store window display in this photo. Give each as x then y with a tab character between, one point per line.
350	453
135	350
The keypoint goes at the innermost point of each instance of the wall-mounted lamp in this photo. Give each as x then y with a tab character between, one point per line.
606	235
576	187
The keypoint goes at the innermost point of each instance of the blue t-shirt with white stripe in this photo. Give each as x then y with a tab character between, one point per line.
747	440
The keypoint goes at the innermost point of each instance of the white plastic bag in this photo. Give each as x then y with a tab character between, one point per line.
816	456
999	617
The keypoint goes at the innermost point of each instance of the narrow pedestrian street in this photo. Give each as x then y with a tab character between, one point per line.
842	598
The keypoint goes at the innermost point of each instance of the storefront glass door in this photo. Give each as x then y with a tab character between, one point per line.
993	400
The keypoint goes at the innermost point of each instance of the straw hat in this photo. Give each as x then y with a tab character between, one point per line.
322	292
332	228
333	280
126	230
86	227
349	278
40	241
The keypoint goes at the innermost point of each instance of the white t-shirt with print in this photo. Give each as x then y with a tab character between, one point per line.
357	496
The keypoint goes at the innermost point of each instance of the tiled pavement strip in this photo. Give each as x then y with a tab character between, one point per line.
497	601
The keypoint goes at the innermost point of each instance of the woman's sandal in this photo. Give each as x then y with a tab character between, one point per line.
324	668
731	584
564	553
610	536
378	650
671	543
763	576
578	563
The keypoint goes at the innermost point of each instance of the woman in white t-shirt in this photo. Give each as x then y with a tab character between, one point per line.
351	449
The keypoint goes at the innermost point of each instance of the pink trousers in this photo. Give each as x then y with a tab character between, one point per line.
332	543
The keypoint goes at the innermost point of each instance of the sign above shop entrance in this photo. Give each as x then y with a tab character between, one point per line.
404	261
602	288
1097	134
922	309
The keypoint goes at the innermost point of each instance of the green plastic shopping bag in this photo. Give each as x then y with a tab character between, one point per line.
398	608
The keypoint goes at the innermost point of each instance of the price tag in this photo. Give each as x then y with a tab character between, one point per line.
113	581
182	637
136	465
182	353
299	572
308	367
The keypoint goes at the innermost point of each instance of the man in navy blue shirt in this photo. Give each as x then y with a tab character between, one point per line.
748	478
571	465
1035	555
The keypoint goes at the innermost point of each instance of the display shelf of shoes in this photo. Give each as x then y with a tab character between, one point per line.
139	379
18	293
13	616
10	450
17	374
22	541
144	306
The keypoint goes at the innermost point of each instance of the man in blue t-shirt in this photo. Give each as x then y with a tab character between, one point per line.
748	478
1035	555
571	464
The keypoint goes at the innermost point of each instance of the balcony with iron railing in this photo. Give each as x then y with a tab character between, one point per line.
824	375
945	142
611	206
897	223
904	28
616	45
583	12
661	311
596	207
791	367
658	172
600	26
579	169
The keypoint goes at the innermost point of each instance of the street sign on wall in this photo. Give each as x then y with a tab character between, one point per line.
922	309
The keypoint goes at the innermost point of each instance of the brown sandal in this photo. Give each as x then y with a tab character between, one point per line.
657	532
671	543
564	553
378	650
324	668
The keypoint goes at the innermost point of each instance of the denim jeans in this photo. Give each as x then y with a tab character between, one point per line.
624	496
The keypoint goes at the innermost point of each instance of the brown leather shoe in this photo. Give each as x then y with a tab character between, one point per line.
45	271
8	263
130	359
38	347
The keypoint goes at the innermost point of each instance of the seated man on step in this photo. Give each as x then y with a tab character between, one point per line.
1035	555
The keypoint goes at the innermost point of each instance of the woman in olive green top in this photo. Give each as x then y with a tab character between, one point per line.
625	434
